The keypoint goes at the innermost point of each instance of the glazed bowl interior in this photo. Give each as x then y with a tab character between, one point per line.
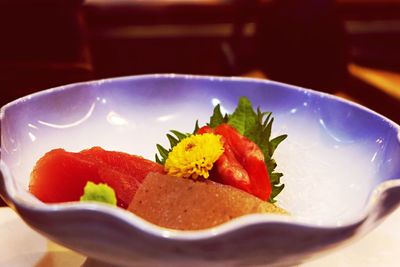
332	160
336	154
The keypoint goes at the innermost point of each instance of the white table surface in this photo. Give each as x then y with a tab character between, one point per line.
22	247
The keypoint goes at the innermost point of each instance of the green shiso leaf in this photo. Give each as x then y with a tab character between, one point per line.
255	125
275	191
217	118
173	141
244	119
99	193
179	135
275	142
163	153
196	127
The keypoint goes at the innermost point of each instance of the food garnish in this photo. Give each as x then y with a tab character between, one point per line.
194	156
99	193
246	133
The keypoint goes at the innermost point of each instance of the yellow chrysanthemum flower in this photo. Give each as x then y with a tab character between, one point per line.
194	156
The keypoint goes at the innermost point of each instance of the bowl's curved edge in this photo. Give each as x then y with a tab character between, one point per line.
8	189
4	190
102	225
385	198
204	77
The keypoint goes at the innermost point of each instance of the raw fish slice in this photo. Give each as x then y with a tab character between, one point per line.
135	166
125	186
60	176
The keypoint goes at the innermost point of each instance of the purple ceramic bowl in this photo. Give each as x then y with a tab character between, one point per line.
341	163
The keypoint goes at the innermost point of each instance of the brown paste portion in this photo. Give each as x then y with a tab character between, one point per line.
185	204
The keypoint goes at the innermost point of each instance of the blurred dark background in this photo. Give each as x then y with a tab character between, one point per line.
350	48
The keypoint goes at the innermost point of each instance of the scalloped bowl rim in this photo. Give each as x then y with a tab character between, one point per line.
225	228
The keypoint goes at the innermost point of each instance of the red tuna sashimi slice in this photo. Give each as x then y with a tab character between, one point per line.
60	176
135	166
125	186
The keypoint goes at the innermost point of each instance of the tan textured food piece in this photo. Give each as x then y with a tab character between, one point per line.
184	204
